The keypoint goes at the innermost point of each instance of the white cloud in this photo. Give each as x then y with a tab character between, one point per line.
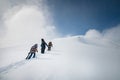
27	23
92	33
113	34
108	37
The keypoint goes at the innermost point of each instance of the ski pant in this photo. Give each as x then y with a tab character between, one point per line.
42	50
30	55
49	48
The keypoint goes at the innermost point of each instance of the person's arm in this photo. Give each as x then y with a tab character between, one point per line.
36	50
46	44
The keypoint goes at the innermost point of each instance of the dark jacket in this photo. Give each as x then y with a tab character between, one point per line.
43	44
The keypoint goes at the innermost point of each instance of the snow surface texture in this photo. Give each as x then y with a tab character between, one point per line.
72	58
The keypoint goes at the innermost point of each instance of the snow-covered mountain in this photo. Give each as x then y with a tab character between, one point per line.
71	58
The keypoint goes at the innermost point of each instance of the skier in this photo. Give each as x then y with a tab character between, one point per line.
49	46
33	50
43	46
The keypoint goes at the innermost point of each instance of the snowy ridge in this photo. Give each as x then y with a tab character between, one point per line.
72	58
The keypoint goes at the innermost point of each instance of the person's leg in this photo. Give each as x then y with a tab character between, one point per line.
42	50
33	55
49	48
30	55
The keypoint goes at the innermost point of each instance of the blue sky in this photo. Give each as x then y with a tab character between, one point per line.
76	17
55	18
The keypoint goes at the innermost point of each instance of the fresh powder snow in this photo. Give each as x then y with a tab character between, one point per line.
71	58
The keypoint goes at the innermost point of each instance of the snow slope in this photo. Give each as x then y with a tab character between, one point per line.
72	58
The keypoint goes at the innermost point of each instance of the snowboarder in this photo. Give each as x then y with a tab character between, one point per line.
49	46
33	50
43	46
